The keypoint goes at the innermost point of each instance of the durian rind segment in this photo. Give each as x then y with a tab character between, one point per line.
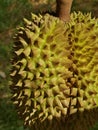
84	33
41	69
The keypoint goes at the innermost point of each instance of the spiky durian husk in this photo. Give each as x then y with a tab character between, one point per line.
84	33
55	69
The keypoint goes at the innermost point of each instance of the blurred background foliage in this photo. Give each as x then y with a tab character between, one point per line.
12	13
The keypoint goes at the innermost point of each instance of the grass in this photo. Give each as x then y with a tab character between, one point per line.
8	116
11	14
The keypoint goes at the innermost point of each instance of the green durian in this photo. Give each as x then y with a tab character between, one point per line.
55	70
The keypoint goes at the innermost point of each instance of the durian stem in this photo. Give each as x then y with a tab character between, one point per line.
63	9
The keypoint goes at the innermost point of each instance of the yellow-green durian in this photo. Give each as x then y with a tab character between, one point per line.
55	69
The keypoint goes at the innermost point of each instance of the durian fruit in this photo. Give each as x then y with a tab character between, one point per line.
55	72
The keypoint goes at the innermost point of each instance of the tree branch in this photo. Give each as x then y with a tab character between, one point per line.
63	9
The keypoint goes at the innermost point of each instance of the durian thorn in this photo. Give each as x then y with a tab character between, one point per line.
27	21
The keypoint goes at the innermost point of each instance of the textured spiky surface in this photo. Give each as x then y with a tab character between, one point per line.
55	68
